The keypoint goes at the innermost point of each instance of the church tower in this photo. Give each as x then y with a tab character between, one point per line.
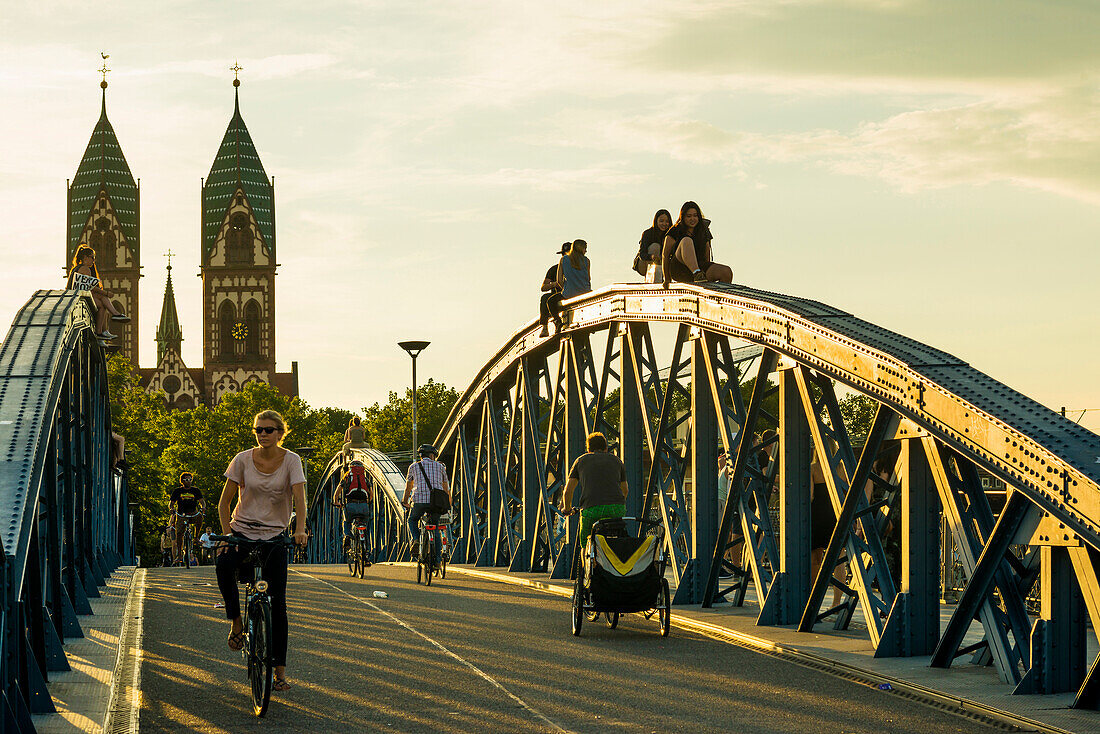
103	212
238	266
182	387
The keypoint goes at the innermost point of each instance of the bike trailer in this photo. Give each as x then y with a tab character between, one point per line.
623	572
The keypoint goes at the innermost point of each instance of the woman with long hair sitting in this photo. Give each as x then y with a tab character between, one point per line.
686	256
83	276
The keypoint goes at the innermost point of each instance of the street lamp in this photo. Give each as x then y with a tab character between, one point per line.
414	349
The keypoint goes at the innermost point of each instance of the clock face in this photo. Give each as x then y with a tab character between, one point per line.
240	331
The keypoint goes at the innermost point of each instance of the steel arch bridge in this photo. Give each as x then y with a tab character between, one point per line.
388	530
517	428
66	516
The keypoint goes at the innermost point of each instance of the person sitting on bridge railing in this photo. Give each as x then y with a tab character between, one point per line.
187	506
263	480
599	479
83	276
651	245
353	496
424	476
574	277
550	303
356	436
687	253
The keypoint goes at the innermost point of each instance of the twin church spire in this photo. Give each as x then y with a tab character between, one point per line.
237	263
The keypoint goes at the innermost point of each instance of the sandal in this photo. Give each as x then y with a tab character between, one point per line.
280	685
236	640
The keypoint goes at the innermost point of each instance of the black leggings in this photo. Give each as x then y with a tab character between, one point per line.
549	307
274	572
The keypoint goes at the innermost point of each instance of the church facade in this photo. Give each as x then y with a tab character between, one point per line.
238	264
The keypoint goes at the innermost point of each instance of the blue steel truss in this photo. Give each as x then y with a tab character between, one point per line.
514	433
66	516
387	526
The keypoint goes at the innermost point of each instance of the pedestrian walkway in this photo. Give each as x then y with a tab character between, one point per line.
849	653
83	695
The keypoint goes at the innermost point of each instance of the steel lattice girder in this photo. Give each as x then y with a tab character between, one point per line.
68	517
923	394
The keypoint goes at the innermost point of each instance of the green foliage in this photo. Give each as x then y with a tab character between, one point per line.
160	445
142	419
858	412
389	426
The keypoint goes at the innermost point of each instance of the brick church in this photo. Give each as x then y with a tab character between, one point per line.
238	265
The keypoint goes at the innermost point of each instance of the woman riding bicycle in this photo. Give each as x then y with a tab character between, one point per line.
263	480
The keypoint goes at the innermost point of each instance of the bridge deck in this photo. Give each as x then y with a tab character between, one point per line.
510	665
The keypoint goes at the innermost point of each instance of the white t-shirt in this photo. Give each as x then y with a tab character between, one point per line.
206	541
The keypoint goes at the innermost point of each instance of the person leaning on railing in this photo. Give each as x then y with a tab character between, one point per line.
597	486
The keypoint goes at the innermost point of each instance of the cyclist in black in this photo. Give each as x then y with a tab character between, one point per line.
186	500
354	496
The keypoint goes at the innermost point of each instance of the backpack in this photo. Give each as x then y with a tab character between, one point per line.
358	483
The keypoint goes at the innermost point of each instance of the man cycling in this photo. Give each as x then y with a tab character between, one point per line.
424	476
186	506
601	480
354	495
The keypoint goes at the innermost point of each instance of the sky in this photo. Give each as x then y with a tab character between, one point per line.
931	166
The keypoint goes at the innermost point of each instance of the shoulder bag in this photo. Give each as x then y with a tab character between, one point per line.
439	500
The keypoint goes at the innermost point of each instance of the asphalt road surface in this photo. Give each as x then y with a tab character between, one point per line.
471	655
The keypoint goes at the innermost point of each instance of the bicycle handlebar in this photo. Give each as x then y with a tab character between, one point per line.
235	540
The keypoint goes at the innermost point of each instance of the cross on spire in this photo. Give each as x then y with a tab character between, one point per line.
236	69
104	71
169	255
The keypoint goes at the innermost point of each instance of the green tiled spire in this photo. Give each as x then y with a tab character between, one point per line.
103	167
169	333
237	165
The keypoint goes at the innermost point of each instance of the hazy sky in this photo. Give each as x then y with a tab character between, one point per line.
931	166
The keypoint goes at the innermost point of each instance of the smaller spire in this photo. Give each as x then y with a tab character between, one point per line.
169	333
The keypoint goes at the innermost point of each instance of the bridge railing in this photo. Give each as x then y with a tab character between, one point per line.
66	517
387	527
773	406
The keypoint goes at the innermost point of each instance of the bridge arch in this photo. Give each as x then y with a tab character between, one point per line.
940	423
66	514
388	530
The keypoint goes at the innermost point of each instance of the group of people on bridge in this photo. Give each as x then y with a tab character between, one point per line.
667	251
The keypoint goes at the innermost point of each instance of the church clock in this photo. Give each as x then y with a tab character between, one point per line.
240	331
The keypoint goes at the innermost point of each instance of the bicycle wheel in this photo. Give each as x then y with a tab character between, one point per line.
443	566
259	653
578	607
351	558
187	549
664	608
427	550
359	557
612	619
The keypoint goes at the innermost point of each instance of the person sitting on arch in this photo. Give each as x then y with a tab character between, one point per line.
686	256
83	276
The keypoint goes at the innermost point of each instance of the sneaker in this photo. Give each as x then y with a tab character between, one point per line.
544	333
122	318
107	335
700	276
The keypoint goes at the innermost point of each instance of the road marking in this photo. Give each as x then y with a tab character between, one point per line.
492	681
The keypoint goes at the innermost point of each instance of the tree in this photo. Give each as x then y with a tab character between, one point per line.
389	426
142	419
858	412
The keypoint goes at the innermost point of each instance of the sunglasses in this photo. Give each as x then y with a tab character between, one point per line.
264	429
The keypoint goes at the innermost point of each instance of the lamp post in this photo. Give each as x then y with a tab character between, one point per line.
414	349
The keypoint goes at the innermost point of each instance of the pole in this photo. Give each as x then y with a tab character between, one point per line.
414	409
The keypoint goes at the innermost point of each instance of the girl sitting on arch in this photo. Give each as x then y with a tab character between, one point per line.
84	276
686	256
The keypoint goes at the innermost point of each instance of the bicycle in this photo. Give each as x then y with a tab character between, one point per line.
357	553
257	620
188	540
426	565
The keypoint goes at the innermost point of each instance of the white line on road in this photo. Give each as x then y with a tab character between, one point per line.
538	715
